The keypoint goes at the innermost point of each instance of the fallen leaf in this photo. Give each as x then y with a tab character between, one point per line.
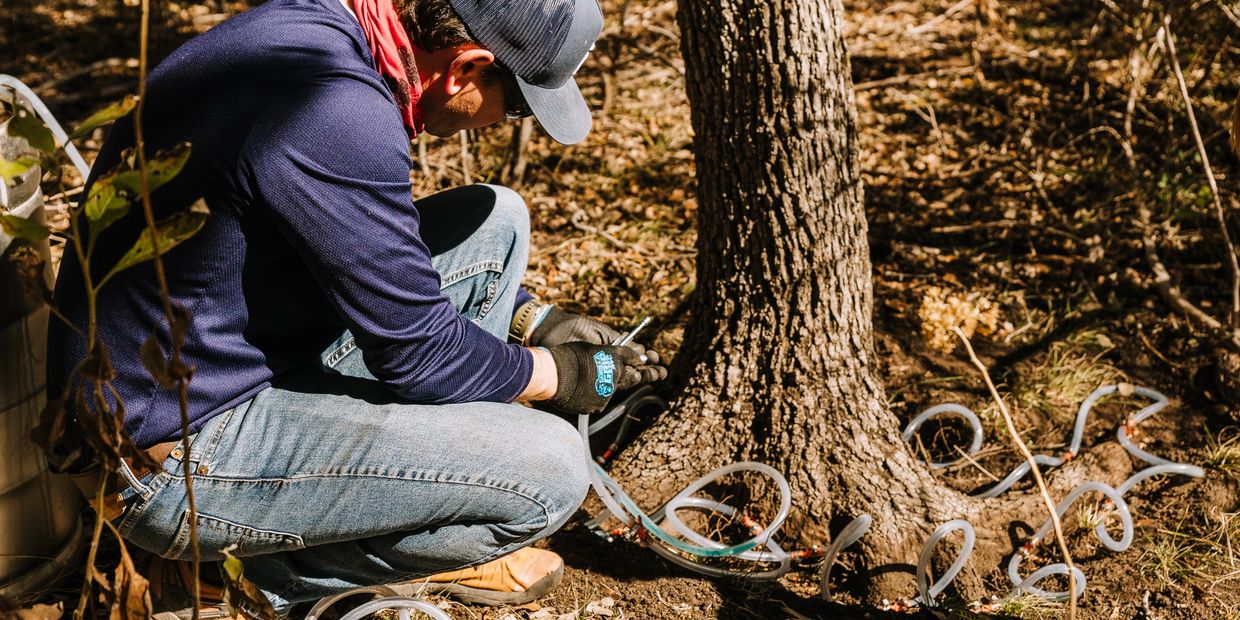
601	607
37	612
240	593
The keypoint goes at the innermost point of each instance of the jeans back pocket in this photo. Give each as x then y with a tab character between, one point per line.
215	534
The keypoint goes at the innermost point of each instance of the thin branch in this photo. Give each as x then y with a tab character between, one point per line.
422	163
1219	213
1171	293
180	377
1043	490
946	15
466	163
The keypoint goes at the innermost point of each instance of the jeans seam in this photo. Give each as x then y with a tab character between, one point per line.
488	300
341	352
204	456
133	513
472	270
542	505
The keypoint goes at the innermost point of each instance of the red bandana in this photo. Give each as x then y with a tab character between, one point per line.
393	52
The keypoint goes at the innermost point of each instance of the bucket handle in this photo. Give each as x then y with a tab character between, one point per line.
41	110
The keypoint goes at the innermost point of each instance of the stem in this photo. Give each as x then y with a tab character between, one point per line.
1219	214
75	235
148	212
1033	468
84	598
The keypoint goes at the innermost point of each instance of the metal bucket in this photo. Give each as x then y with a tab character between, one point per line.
40	524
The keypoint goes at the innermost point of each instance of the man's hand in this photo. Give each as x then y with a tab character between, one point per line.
587	374
559	327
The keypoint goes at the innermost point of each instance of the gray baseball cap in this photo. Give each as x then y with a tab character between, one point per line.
543	43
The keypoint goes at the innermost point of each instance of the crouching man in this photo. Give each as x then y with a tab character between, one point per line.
357	353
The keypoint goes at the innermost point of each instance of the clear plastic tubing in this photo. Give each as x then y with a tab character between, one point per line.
1158	470
399	603
710	552
1160	403
641	397
41	110
681	537
928	592
389	600
1160	466
1029	584
596	474
947	409
846	538
620	505
1016	474
774	554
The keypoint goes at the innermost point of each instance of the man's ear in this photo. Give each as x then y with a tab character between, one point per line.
466	67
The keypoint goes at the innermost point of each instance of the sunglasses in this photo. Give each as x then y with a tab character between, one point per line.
515	106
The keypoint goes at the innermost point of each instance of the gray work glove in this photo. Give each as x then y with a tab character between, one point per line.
560	327
589	374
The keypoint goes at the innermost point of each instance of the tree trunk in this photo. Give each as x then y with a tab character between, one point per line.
778	364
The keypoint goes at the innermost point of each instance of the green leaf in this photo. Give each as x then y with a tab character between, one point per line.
105	116
22	228
159	170
169	233
26	125
10	169
105	204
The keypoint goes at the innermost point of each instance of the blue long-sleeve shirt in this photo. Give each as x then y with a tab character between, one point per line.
299	151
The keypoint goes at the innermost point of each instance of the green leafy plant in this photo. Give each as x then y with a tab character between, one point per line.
84	425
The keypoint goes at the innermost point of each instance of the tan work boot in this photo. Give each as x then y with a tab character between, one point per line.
515	579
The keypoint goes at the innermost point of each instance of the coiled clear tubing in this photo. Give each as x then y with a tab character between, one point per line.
388	599
684	546
1159	466
678	540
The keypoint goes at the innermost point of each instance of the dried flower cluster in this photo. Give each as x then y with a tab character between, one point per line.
943	309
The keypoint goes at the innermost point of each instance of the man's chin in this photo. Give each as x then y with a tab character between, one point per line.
440	132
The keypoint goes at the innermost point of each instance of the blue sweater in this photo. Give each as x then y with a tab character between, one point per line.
299	150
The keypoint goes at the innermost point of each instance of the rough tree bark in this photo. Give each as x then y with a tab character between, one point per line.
778	362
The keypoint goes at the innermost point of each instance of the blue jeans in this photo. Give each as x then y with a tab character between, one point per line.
326	481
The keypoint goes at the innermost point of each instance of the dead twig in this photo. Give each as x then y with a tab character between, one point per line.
1171	293
112	64
1043	490
1235	127
518	152
955	8
422	162
1168	41
466	164
578	221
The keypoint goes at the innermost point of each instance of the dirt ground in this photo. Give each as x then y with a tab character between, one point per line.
1009	153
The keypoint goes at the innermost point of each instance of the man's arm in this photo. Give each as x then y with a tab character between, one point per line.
331	162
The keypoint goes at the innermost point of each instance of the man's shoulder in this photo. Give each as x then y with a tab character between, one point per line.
289	39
